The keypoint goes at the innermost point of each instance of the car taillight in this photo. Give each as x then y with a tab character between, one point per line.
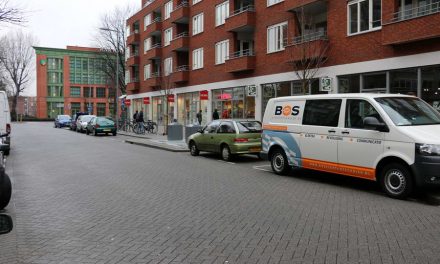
241	140
8	128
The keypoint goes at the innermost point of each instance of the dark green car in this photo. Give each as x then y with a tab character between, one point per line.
101	125
227	137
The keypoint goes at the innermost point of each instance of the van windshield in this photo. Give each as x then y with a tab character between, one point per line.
408	111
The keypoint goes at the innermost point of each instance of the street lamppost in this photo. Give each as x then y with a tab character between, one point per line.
117	72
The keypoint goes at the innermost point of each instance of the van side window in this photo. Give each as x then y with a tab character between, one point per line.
356	111
322	112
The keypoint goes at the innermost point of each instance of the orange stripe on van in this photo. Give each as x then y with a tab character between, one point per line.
349	170
274	127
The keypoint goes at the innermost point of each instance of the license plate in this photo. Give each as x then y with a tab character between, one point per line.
254	149
107	130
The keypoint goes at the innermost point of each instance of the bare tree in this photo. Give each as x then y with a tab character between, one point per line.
17	62
110	38
308	51
166	89
10	14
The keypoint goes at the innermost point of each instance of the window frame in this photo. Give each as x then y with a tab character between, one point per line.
147	76
168	66
200	58
197	24
168	8
220	16
221	47
370	17
147	21
282	46
167	36
273	2
196	1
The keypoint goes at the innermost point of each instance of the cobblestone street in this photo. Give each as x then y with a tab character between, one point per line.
86	199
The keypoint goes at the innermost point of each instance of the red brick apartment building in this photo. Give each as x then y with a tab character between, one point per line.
235	55
71	80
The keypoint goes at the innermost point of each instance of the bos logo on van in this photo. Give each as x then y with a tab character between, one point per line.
287	110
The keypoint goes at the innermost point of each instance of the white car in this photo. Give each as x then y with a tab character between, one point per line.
82	121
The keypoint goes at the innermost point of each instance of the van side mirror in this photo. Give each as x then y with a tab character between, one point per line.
373	123
6	224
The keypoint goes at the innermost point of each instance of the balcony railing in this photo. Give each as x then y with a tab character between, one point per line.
182	68
241	53
419	11
134	80
181	35
156	46
155	74
157	19
318	35
249	8
183	4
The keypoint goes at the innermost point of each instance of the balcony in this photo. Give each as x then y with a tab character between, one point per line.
291	5
241	20
134	59
180	42
134	37
154	80
155	28
412	25
133	85
155	52
181	74
180	14
310	46
240	61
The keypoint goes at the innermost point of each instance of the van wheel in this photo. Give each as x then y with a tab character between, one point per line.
5	190
279	162
193	149
396	181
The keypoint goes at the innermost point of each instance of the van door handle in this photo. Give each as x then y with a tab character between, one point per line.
345	132
332	131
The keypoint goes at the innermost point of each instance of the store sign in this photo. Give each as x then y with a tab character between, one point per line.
170	98
127	102
325	84
251	90
146	100
204	95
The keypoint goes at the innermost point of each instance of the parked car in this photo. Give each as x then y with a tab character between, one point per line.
81	123
74	119
62	121
101	125
5	181
5	121
228	137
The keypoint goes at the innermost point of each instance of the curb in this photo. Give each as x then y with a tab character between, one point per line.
155	146
131	135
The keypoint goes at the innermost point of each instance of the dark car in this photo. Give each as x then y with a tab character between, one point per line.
62	121
101	125
74	118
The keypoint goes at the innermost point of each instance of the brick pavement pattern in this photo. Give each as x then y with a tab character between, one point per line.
85	199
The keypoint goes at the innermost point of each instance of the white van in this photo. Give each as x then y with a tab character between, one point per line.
393	139
5	120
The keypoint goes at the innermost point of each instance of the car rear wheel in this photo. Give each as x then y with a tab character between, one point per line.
226	153
193	149
5	190
396	181
279	162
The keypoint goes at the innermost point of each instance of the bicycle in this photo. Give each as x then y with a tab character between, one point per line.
150	127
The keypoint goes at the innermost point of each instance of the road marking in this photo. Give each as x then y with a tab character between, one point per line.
262	168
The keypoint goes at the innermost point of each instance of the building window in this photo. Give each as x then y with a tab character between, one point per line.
55	77
147	21
364	15
168	35
55	91
127	77
75	91
196	1
349	83
128	31
197	59
54	64
88	92
431	85
198	24
275	37
100	92
75	108
233	103
168	66
54	109
221	13
168	9
404	81
374	83
272	2
147	45
147	71
100	109
221	51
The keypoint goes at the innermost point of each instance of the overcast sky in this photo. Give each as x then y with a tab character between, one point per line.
58	23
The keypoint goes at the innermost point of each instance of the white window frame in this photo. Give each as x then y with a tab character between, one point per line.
196	1
197	62
127	77
221	13
279	36
168	8
128	30
273	2
221	51
147	44
167	36
370	18
147	71
167	66
147	21
197	24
